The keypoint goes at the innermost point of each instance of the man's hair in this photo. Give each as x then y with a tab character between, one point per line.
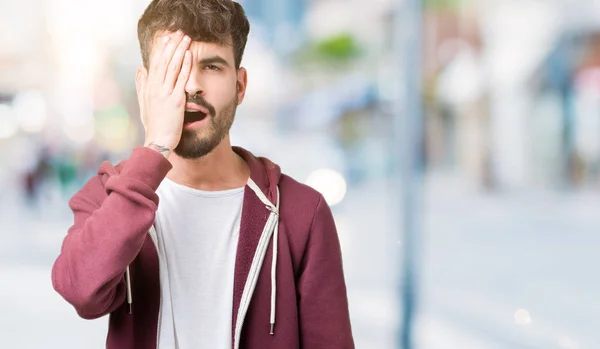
216	21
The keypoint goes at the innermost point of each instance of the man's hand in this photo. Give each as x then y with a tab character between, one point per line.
161	92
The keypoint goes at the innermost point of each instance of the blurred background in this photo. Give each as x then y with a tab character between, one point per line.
487	241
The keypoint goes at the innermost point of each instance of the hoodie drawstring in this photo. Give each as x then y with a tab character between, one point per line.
152	233
275	214
274	268
129	295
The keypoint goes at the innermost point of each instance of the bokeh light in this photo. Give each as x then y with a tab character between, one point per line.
330	183
8	122
31	111
522	317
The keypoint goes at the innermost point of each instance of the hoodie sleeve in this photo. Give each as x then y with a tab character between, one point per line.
110	225
323	302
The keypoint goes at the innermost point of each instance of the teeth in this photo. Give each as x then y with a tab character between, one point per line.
192	111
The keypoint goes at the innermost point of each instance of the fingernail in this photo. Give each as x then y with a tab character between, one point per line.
186	38
166	38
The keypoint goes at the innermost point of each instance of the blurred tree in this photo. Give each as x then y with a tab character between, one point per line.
338	47
441	4
333	52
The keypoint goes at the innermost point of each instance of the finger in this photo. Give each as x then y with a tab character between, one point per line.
184	72
176	62
157	51
160	69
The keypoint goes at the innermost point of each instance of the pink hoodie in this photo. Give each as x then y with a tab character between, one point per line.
109	262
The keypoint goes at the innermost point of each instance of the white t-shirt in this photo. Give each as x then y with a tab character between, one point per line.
197	242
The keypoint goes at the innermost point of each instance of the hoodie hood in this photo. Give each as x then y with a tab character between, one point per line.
263	172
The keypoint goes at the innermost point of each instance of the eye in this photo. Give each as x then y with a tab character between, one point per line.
213	67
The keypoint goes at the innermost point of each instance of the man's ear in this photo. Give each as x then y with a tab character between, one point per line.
141	76
242	83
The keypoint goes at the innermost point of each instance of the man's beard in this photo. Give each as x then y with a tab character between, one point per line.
194	144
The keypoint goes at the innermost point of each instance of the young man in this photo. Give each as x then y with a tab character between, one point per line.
237	254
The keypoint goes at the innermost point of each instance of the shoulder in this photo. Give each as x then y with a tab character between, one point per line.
299	203
299	191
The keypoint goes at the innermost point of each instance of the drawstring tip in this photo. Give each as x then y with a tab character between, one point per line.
130	308
272	329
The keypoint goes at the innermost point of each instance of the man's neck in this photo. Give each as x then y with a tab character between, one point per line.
221	169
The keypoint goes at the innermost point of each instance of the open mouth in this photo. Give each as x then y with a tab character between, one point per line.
191	116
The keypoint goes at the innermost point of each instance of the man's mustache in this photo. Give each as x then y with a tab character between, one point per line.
199	100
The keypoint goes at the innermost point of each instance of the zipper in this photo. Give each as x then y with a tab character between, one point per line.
154	238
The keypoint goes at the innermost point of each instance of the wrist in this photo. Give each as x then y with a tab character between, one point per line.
159	148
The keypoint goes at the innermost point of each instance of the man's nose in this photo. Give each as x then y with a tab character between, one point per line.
194	85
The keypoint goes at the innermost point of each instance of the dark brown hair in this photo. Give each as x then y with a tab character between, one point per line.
216	21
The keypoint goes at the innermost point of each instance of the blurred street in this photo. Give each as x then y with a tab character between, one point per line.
497	113
474	277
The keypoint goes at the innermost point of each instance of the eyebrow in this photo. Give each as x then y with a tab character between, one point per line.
212	60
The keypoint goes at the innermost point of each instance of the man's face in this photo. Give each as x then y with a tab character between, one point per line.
214	86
